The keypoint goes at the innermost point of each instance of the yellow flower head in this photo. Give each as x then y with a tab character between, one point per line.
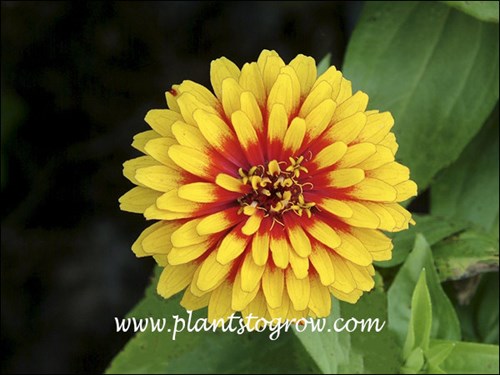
270	194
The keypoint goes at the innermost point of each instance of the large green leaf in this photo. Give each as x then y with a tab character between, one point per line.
434	68
466	255
204	352
469	358
374	345
483	10
433	228
445	323
331	350
468	189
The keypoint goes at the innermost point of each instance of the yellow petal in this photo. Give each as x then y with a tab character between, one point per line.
173	279
191	160
247	136
138	199
323	233
381	157
241	298
187	235
318	95
251	274
181	255
221	69
330	155
361	216
258	308
270	65
279	248
363	279
299	240
201	93
356	103
278	123
161	120
356	154
213	128
319	118
171	97
294	136
353	249
298	289
172	202
305	68
232	245
158	241
273	285
373	240
251	80
345	91
189	135
189	104
300	265
342	178
219	306
400	214
285	91
351	297
392	173
320	301
141	139
322	264
158	177
202	192
280	312
191	302
405	190
343	277
215	223
336	207
131	166
260	247
390	142
252	224
231	92
154	213
333	77
158	149
387	221
230	183
251	108
137	245
377	127
347	129
212	272
371	189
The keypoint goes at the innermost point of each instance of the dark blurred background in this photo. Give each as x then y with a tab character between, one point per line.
77	79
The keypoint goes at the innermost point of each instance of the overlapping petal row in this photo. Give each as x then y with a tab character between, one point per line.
271	193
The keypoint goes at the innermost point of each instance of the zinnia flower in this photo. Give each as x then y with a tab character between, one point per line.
270	195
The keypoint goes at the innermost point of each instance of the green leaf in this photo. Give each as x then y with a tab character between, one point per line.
414	363
469	358
466	255
331	350
482	10
434	68
324	64
204	352
445	322
438	354
374	345
468	189
433	228
419	328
